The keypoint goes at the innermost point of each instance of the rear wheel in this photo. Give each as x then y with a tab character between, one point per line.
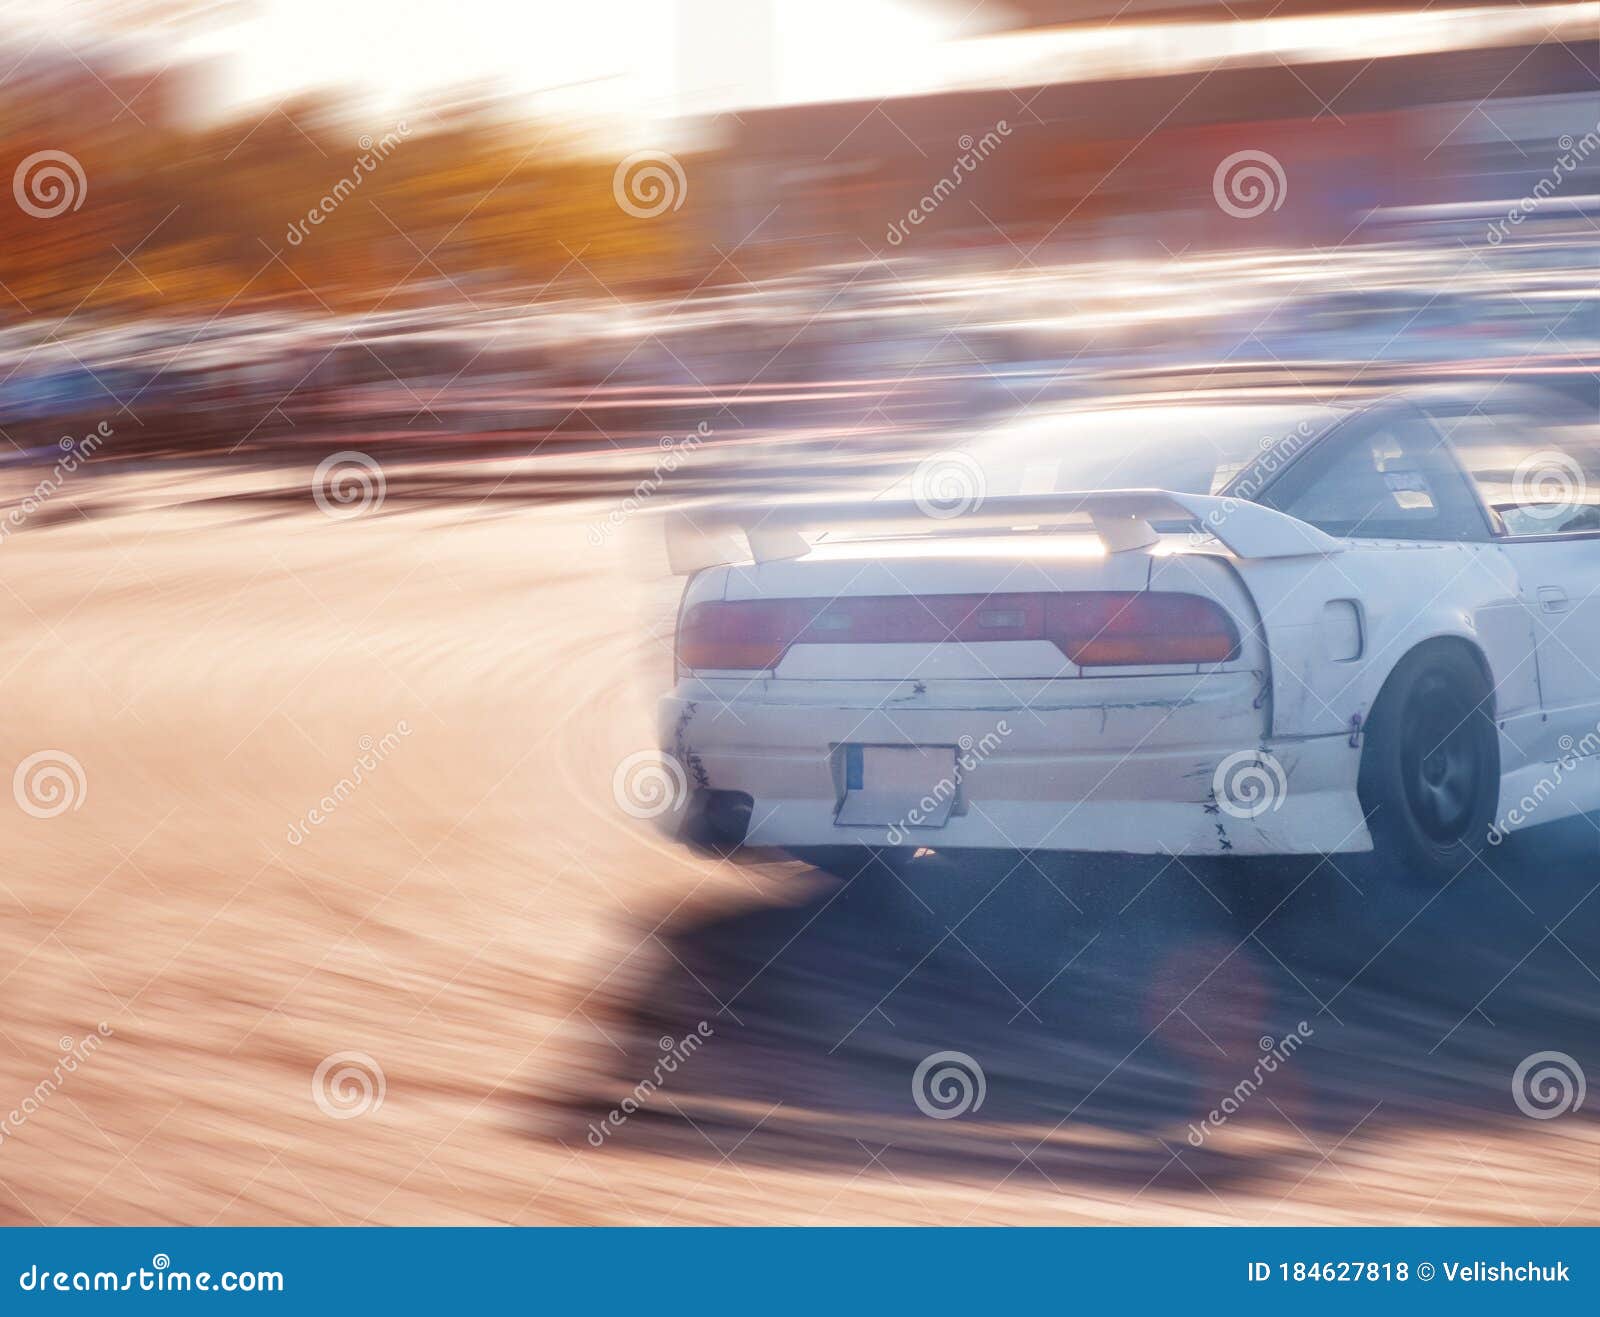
1430	770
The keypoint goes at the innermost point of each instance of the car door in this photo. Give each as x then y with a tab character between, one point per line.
1542	483
1561	589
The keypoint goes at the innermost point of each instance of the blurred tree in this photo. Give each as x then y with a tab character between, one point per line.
308	208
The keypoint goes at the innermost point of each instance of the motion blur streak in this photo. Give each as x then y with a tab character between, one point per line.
349	357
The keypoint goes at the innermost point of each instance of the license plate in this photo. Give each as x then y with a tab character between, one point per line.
912	786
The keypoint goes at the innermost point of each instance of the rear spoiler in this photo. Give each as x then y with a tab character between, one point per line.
711	537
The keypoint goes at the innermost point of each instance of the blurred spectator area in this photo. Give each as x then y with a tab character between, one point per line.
1126	166
221	279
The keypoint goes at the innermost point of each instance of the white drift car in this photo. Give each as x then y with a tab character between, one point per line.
1223	630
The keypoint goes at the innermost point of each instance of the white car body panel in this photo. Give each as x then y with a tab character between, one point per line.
1126	758
1092	759
1561	596
1076	770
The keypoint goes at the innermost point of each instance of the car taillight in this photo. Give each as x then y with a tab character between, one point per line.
1093	628
750	634
1118	629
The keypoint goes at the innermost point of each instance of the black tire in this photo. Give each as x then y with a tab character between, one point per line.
1430	767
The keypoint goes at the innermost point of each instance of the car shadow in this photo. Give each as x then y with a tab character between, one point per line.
1136	1022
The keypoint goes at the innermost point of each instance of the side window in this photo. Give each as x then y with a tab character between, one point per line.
1538	480
1387	478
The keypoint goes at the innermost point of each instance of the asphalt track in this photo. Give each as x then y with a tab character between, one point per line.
507	950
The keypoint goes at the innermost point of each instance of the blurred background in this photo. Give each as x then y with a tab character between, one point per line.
510	231
339	345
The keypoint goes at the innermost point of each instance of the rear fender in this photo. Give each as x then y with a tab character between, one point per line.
1400	595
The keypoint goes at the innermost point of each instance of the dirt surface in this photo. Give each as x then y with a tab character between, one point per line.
508	949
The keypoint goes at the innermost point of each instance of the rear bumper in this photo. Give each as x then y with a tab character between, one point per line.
1094	768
